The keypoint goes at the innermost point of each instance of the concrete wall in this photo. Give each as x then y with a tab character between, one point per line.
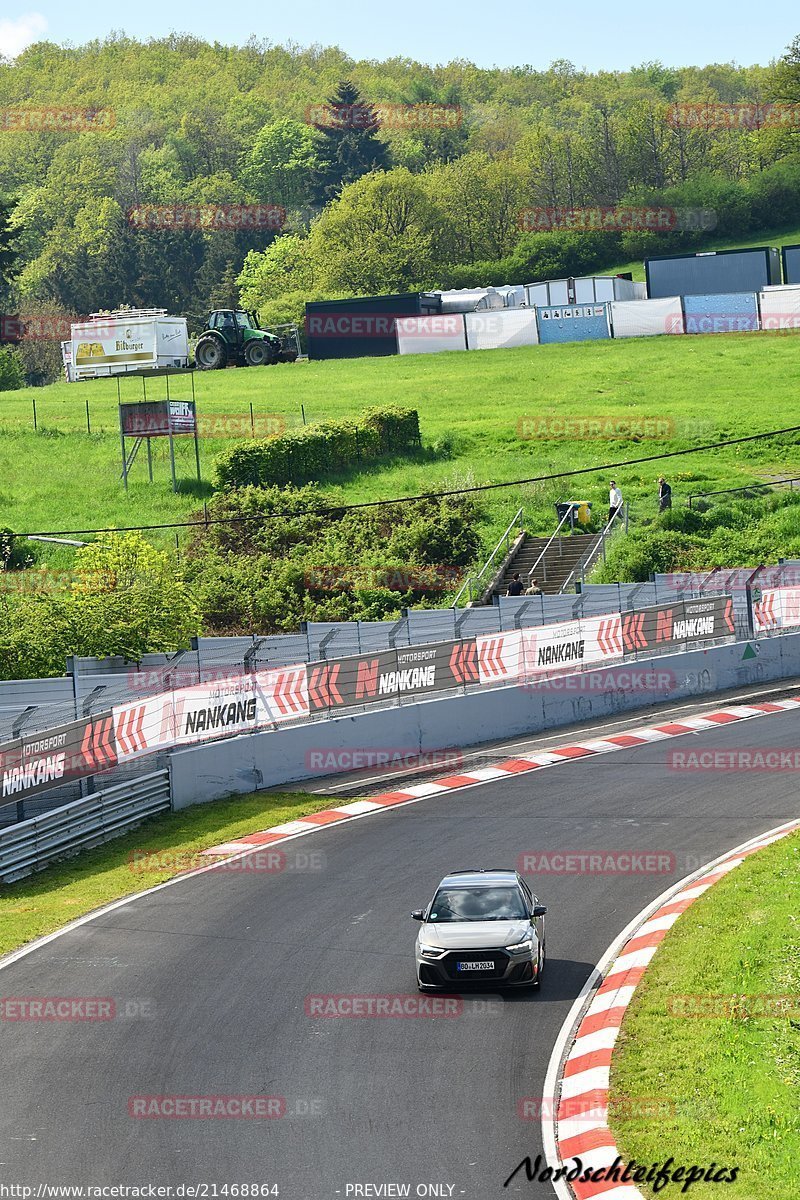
259	760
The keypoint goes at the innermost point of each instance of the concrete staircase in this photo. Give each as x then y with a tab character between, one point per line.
554	568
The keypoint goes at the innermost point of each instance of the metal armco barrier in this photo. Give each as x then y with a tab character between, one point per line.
263	699
31	845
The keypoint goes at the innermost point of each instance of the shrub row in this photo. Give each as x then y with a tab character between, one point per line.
317	450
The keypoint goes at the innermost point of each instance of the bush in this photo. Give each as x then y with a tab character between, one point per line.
314	451
262	575
15	552
12	376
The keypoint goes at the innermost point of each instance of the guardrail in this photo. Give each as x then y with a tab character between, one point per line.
475	579
31	845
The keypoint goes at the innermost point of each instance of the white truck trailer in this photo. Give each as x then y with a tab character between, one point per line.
127	340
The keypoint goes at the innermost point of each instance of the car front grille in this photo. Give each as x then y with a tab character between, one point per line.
449	964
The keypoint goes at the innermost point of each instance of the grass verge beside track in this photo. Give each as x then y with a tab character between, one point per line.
44	902
720	1088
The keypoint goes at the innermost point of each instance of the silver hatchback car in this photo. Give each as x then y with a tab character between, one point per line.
482	926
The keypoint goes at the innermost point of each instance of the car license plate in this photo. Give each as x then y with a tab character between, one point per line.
475	966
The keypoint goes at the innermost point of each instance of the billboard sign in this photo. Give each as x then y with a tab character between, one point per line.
158	418
101	344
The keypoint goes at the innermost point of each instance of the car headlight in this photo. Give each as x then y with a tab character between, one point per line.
527	944
430	951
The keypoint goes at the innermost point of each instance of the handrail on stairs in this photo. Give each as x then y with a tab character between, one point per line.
568	516
587	560
474	579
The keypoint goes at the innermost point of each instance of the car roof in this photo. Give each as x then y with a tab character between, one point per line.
480	877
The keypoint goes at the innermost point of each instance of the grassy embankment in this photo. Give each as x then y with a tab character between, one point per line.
720	1088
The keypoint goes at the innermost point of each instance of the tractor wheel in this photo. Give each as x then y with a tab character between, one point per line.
210	354
257	354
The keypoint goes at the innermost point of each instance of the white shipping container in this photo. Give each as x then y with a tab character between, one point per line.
121	342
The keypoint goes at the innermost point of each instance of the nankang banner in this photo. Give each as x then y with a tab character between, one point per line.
667	626
40	761
412	670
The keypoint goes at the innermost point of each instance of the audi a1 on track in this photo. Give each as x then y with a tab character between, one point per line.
482	926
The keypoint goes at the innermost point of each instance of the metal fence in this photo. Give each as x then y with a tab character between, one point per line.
30	845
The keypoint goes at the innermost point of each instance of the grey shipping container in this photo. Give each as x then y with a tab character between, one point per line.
791	264
712	272
587	289
363	326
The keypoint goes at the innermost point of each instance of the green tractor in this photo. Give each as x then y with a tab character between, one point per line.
232	336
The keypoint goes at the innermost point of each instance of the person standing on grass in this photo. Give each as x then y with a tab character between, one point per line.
664	495
614	501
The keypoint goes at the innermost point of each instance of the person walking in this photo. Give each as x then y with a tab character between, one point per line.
614	501
534	589
515	588
664	495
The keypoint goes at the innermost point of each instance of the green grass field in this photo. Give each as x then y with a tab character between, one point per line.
489	417
720	1088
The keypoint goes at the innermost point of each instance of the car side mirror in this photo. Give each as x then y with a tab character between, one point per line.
418	914
539	910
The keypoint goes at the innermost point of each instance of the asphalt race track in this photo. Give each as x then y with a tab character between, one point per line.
210	976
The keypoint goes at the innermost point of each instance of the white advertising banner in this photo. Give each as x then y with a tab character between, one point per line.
496	330
646	318
780	308
778	608
550	649
430	335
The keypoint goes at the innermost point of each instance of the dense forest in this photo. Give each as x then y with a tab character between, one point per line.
424	189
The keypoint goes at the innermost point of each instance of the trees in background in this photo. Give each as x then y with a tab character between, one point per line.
188	124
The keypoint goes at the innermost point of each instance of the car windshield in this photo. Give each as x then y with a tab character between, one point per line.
478	904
